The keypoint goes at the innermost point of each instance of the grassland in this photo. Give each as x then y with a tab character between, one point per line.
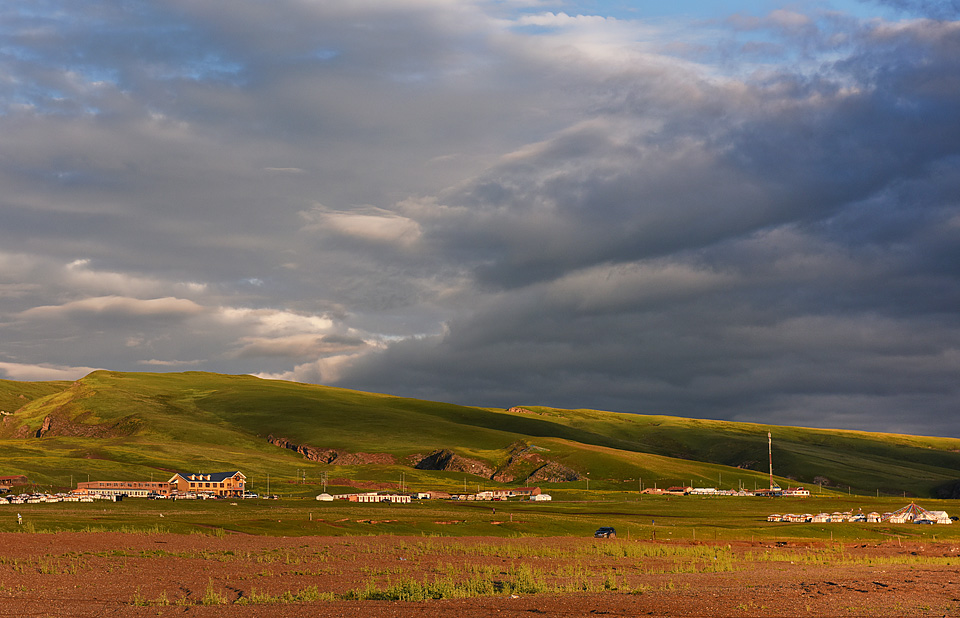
636	517
138	426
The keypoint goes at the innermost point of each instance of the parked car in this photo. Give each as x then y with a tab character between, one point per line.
605	532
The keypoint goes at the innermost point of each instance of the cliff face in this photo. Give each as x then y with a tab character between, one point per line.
525	463
59	423
333	456
445	459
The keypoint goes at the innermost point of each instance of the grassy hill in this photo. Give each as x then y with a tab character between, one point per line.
112	425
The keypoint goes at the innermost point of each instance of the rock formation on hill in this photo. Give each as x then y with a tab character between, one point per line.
333	456
527	464
445	459
524	463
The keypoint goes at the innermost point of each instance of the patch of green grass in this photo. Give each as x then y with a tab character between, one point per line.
650	518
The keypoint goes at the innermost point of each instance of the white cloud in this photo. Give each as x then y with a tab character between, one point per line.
296	346
172	363
117	305
274	322
328	370
80	277
43	372
370	224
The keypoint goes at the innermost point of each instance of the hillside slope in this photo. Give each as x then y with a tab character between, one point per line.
138	425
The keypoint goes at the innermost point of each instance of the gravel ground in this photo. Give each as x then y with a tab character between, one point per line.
97	574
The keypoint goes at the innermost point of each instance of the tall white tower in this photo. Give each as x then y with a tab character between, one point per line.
770	451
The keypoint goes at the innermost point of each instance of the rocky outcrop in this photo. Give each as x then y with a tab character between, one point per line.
59	423
519	410
337	457
309	452
45	428
553	472
525	463
447	460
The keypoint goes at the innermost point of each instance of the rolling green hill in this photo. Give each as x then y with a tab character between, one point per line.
140	425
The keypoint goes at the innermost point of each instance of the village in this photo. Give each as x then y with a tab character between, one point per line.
233	485
219	485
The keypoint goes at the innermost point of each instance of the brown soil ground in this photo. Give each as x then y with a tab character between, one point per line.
97	574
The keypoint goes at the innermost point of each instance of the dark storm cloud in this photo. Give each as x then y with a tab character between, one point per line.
826	204
465	202
791	148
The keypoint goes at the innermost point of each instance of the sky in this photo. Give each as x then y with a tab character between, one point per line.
744	210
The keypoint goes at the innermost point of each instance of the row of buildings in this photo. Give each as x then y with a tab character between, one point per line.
220	484
40	498
233	485
530	493
689	490
910	514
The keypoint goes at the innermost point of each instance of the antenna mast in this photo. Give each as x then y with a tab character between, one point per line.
770	450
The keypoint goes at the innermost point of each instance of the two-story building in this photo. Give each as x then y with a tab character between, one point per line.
215	483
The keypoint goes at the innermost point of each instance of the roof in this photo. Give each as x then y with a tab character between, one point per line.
213	477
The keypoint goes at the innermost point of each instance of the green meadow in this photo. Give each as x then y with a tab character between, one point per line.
145	426
635	517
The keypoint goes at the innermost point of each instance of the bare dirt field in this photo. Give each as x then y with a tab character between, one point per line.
96	574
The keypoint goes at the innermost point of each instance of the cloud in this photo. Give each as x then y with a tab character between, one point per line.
370	224
117	306
297	346
935	9
321	371
43	372
492	203
171	363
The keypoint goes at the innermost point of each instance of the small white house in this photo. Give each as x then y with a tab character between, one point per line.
541	498
325	497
